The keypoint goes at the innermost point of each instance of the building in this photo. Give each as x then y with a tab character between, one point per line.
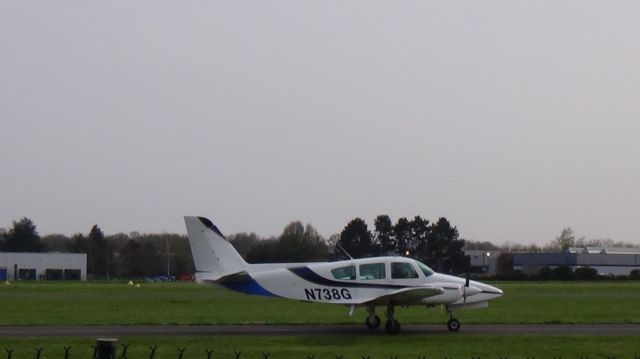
43	266
607	261
483	261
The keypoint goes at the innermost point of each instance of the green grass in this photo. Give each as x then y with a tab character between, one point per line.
351	347
188	303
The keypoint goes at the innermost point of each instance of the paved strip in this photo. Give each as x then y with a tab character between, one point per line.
304	330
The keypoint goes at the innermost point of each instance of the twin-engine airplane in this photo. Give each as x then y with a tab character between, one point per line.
368	282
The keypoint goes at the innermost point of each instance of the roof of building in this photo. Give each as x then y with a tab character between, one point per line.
604	250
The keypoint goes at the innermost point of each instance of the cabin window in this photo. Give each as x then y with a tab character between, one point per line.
372	271
403	270
426	270
344	273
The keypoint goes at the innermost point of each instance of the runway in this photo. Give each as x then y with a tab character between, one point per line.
308	330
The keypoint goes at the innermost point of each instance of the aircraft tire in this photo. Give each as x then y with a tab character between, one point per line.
453	325
372	325
392	327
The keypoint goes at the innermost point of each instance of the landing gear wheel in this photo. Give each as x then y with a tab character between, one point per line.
453	325
372	324
392	327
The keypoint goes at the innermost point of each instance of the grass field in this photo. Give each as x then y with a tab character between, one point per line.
351	347
188	303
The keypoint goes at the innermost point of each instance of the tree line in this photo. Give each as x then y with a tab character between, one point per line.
136	255
120	255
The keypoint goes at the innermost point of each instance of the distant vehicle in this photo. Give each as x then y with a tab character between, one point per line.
368	282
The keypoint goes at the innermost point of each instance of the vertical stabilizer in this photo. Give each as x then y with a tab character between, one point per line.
214	257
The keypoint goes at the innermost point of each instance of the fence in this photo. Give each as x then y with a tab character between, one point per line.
209	354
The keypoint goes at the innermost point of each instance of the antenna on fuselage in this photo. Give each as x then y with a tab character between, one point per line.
344	250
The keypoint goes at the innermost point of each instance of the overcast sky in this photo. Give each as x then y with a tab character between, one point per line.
513	119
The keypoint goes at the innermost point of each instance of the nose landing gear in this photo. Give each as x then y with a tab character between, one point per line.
453	324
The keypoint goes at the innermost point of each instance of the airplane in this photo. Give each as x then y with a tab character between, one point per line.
367	282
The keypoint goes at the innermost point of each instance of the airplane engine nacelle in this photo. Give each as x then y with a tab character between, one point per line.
452	293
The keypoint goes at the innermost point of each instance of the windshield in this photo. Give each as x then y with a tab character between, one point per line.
425	269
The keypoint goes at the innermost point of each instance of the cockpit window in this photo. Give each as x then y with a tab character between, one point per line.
426	270
344	273
401	270
372	271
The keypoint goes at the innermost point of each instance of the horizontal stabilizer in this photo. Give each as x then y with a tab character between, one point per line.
212	278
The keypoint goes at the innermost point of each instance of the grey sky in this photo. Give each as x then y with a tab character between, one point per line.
513	119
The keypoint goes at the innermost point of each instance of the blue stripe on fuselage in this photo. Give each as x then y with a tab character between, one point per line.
247	285
307	274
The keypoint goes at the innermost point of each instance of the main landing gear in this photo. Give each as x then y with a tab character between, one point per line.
392	326
372	321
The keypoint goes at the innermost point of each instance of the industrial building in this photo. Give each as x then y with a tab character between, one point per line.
607	261
43	266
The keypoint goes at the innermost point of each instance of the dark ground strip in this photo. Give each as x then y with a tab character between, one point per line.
298	330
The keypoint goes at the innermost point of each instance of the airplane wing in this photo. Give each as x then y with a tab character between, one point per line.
406	295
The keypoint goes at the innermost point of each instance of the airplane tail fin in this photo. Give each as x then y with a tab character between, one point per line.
213	256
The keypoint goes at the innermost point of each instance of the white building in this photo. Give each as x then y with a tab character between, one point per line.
607	261
43	266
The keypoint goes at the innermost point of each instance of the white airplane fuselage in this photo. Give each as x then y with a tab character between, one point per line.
315	282
368	282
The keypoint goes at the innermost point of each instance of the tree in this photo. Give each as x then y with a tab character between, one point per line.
99	256
244	242
565	240
436	244
79	244
300	244
56	242
420	231
23	237
356	239
487	246
320	249
403	235
130	260
140	258
444	248
384	235
182	262
266	251
505	263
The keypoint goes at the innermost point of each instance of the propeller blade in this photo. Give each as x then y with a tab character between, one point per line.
466	283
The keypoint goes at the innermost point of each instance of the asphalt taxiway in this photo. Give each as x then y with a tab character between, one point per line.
303	330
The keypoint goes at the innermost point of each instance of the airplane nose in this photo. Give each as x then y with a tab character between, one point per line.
495	291
471	290
490	291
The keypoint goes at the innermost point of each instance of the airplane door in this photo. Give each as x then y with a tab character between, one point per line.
372	279
403	273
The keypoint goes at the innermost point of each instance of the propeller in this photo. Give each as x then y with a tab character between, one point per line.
466	283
